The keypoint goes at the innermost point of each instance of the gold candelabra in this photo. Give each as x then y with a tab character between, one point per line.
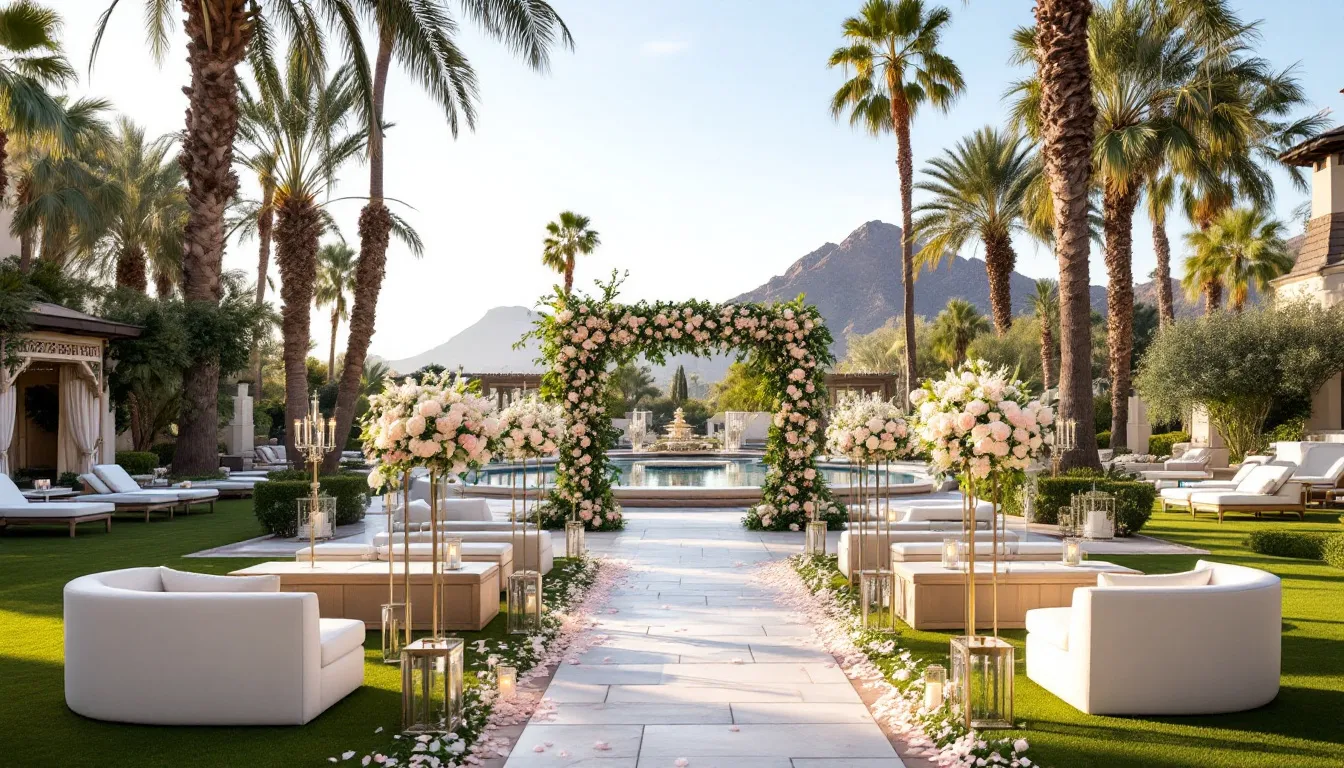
1066	439
314	437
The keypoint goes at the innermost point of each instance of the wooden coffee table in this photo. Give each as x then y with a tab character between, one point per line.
929	596
357	590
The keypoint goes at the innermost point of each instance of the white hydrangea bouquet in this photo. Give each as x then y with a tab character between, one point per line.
868	430
976	422
529	429
438	423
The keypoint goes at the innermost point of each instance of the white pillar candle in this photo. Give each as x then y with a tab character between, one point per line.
507	678
933	696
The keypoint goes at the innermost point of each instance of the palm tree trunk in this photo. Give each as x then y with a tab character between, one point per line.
1166	312
132	269
1068	116
375	222
1000	258
331	354
163	284
900	116
569	275
297	232
207	165
1118	220
4	167
1047	353
265	223
25	252
1213	295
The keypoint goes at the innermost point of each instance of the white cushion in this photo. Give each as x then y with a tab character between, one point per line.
419	513
338	637
264	453
186	581
279	452
10	495
1194	454
116	478
56	509
1051	625
1264	480
1196	578
94	482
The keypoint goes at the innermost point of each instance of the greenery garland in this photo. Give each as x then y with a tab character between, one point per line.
786	344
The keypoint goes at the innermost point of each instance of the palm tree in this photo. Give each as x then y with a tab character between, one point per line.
336	264
1045	305
1067	123
1240	248
568	237
315	130
31	62
420	35
955	328
979	191
893	54
144	232
1159	193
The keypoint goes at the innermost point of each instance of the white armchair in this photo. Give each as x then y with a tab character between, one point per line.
1202	642
200	651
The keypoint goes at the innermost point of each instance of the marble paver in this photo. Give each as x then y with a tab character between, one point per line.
700	663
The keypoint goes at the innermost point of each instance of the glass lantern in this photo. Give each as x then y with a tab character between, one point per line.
431	685
450	553
524	602
574	538
815	544
506	679
1094	513
1068	522
951	554
875	600
323	519
396	619
1073	551
935	681
982	681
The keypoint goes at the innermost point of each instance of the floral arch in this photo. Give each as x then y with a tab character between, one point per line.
584	337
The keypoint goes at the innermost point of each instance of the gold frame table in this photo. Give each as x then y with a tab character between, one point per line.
929	596
358	590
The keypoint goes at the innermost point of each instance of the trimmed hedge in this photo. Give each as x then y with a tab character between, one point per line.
1161	444
1333	551
1133	499
1306	545
138	462
274	500
1104	439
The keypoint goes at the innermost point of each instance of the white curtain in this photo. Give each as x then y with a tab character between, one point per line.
79	411
9	402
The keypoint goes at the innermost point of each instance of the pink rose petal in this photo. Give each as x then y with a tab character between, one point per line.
601	746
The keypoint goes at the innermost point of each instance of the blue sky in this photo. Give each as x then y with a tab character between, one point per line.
694	133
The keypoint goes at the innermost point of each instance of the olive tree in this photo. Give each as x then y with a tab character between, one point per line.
1237	365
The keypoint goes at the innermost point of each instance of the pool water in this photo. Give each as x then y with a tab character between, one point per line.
687	473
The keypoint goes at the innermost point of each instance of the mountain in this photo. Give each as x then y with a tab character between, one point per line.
857	284
485	346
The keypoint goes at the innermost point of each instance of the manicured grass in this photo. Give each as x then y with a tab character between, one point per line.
37	727
1302	727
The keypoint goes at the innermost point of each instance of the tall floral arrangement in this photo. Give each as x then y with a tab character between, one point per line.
868	430
529	429
977	421
585	336
438	423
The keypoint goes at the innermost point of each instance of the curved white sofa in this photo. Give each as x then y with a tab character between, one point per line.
136	653
1160	648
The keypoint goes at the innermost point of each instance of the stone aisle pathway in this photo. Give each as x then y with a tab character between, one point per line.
699	664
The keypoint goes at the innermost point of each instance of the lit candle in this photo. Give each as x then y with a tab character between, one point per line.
507	678
935	678
298	430
530	605
1073	552
452	553
951	553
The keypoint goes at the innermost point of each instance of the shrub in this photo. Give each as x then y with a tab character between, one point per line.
1161	444
165	453
69	480
138	462
1133	498
1306	545
289	474
1104	439
1333	551
274	500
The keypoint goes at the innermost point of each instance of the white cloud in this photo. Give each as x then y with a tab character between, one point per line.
664	47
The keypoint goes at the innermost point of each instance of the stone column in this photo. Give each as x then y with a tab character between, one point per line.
239	436
1138	430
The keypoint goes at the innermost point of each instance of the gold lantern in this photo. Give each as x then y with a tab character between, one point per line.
574	539
982	680
396	618
431	685
524	602
1068	522
815	544
1094	515
876	593
315	523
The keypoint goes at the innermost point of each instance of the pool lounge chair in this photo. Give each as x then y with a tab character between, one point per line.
1179	498
1264	489
110	483
15	509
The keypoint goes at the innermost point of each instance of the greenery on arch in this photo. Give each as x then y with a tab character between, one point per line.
785	344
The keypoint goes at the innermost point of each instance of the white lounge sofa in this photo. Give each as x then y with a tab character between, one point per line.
1202	642
16	509
450	510
530	551
163	647
1009	549
1266	488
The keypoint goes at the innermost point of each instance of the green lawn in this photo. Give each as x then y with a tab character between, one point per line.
1304	726
36	728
